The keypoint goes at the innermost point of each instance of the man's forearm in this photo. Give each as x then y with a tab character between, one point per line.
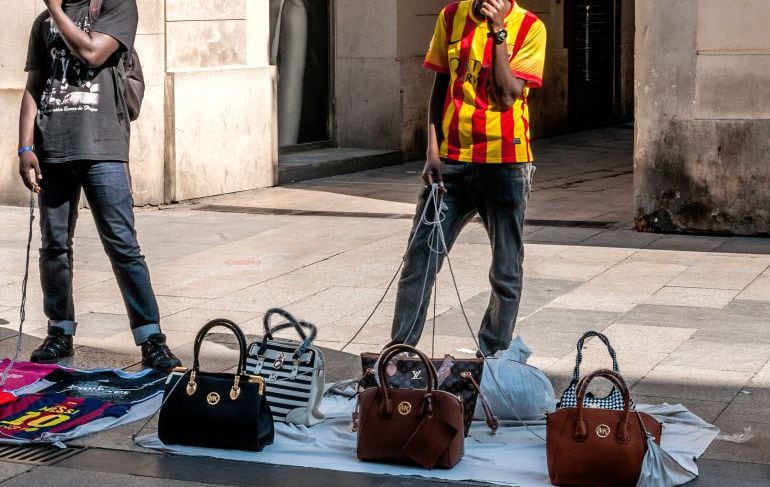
507	86
28	113
435	111
91	51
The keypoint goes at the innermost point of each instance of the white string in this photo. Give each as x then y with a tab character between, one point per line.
22	307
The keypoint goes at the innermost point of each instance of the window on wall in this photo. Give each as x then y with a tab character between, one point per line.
300	47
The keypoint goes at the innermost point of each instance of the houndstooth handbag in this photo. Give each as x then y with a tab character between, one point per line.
293	371
614	400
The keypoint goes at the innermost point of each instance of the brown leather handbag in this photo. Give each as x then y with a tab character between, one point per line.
598	447
410	426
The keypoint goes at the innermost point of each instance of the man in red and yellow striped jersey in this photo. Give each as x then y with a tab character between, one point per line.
487	55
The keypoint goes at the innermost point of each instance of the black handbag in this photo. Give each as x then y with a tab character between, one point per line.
212	410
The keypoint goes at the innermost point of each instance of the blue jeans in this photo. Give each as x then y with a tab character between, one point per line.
498	194
108	190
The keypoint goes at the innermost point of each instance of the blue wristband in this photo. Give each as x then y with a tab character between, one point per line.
26	149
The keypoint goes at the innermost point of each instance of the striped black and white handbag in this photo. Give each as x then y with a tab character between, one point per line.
293	371
613	400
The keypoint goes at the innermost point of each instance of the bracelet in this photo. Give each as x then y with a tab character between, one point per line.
29	148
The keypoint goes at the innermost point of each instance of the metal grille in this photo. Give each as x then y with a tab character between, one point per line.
39	455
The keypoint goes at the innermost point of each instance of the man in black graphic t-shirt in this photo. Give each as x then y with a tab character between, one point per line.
74	134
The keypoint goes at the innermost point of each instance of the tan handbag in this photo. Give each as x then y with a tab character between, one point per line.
409	426
598	447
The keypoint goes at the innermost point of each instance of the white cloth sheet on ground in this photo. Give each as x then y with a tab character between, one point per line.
513	457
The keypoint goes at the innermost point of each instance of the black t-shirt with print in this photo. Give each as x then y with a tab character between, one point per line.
78	116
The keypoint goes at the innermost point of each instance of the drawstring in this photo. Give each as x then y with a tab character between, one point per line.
22	307
438	248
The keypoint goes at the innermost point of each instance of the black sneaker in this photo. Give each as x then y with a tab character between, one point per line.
55	347
157	355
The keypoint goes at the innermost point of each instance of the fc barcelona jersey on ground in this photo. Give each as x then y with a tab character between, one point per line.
36	414
475	129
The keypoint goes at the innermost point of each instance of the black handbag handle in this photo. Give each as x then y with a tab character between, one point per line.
238	335
579	358
307	340
288	317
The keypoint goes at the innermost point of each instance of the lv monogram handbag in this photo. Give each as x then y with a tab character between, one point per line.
614	400
410	426
462	379
293	371
588	446
211	410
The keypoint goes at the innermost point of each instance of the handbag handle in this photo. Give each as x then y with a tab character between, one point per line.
432	380
292	322
238	335
622	432
579	359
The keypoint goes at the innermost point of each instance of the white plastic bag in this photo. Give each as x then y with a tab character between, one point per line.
657	467
521	386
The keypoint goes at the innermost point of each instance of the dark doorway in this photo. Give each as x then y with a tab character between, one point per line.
316	95
300	47
592	29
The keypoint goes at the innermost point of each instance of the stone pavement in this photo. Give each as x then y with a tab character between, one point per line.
688	315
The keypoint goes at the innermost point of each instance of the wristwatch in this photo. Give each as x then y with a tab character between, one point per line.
500	36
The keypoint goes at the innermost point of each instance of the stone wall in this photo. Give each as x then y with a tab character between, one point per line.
702	144
220	120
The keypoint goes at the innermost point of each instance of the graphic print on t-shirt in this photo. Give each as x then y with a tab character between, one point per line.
70	87
115	386
36	414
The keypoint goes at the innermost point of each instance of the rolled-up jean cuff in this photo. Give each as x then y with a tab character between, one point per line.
142	333
69	327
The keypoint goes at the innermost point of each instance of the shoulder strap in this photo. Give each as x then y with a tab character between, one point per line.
95	9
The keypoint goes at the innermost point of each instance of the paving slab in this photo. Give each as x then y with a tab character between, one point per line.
693	296
716	473
742	357
755	450
692	383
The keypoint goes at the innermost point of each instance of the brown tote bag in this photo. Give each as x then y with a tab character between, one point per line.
598	447
410	426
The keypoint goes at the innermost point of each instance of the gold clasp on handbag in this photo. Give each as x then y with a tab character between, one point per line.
235	392
192	386
256	379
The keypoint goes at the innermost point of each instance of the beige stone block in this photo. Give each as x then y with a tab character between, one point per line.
222	135
738	26
414	32
177	10
151	17
148	149
366	90
150	48
733	86
14	38
209	44
366	28
258	33
690	296
12	191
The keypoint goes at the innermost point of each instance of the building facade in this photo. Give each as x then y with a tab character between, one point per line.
233	84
